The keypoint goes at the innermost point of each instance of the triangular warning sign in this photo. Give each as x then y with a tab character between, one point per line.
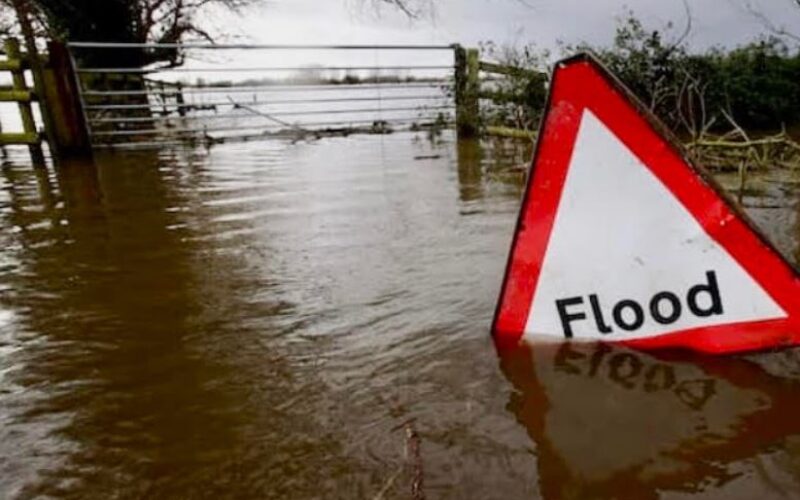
621	238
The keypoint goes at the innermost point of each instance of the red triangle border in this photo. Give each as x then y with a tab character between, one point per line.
581	83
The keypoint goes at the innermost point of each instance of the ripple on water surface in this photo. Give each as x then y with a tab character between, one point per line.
266	319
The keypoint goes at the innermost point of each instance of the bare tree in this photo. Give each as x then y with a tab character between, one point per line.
413	9
130	21
774	28
140	21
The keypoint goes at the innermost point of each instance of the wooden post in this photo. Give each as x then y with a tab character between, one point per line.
473	88
30	135
460	78
164	104
179	100
70	129
3	150
460	56
466	92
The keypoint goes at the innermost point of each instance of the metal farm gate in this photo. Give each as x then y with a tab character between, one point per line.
238	92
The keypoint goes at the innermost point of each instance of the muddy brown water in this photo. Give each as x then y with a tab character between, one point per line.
271	320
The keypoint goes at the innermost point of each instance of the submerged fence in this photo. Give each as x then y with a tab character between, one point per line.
105	94
227	92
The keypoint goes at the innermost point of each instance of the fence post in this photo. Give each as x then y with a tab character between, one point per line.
31	135
466	91
163	95
179	100
460	77
70	131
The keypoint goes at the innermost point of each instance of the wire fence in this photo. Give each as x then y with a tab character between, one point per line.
240	91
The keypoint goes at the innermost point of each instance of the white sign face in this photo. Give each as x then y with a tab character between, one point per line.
626	260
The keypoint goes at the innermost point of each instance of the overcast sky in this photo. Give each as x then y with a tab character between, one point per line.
544	22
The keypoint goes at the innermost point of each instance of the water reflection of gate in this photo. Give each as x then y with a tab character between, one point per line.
225	92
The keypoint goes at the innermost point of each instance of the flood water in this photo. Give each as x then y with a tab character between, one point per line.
275	319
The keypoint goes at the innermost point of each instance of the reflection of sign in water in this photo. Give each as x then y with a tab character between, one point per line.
609	422
620	238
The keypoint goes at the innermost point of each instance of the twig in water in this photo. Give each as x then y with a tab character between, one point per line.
388	485
735	125
413	454
742	181
303	131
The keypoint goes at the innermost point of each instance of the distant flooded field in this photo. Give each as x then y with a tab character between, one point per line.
281	319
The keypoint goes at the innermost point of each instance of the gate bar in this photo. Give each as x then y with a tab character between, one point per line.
234	46
189	130
157	105
219	116
316	87
222	69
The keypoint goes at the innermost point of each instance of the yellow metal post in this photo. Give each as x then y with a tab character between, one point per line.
30	135
37	69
